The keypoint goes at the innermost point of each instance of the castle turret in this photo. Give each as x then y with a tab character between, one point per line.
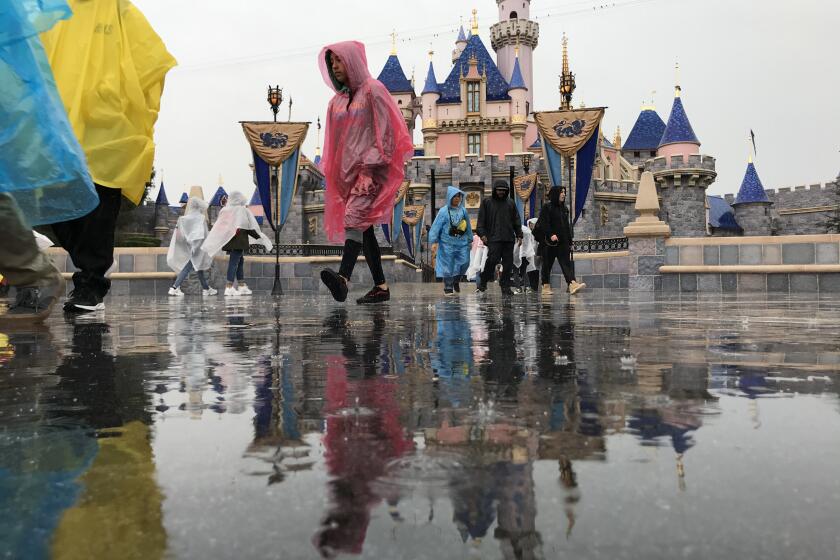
752	206
682	174
460	45
161	214
643	141
518	93
393	78
430	97
513	30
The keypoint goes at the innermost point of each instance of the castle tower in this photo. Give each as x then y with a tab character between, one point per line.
518	93
430	97
161	214
752	207
682	174
516	29
401	89
460	45
643	141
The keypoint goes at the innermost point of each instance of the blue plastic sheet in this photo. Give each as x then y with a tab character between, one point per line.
42	164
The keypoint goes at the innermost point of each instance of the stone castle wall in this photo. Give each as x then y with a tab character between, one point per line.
801	210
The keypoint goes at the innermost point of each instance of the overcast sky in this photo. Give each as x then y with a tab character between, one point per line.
769	65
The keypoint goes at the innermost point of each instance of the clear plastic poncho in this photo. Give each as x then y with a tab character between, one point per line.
527	249
366	145
42	164
233	217
189	235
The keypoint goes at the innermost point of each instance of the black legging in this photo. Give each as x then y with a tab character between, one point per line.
498	252
563	255
373	256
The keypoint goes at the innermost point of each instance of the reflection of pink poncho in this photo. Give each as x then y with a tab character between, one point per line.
366	146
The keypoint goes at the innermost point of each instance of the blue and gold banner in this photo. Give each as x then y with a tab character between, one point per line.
571	133
412	226
526	195
275	148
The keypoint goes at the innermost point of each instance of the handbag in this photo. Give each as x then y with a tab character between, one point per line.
453	229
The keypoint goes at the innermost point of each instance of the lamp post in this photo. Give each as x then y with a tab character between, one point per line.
275	98
433	188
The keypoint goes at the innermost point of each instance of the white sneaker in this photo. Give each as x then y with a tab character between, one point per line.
231	291
176	292
244	290
209	292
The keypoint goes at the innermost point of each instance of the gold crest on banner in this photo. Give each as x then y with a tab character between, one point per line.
413	213
568	131
274	142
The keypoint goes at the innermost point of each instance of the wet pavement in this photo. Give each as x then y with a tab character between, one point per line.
471	427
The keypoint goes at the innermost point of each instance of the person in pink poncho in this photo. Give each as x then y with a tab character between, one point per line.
365	149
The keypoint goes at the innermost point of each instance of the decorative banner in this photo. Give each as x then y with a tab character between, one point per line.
275	147
396	215
412	226
525	187
571	133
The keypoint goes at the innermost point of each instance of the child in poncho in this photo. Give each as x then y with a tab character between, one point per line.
230	233
365	149
450	238
524	256
185	254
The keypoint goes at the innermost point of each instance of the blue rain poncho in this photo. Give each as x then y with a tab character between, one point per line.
41	163
453	253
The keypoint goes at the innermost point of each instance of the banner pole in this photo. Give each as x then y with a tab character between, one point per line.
277	288
571	214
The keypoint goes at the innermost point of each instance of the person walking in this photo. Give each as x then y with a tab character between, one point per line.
554	232
524	263
499	227
366	146
450	238
185	254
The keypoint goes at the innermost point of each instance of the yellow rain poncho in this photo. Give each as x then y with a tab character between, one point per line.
109	66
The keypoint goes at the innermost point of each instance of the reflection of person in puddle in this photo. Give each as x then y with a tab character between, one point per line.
452	360
503	371
363	433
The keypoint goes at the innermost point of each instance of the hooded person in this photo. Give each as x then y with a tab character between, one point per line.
43	173
498	227
450	237
554	232
366	145
524	257
185	253
230	233
109	66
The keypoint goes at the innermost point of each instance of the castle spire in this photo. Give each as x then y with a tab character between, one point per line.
474	29
617	138
394	42
677	88
565	54
431	85
567	79
318	145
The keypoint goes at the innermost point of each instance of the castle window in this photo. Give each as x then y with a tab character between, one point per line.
637	154
474	144
473	97
514	15
652	154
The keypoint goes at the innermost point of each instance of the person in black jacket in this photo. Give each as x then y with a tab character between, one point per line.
554	234
498	227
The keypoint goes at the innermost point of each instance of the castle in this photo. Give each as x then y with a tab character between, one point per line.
478	130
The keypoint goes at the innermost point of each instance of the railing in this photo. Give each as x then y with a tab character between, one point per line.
601	245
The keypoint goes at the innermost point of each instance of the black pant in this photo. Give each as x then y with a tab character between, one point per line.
89	241
373	256
498	251
524	277
563	255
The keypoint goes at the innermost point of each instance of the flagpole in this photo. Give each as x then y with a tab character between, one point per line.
277	288
572	215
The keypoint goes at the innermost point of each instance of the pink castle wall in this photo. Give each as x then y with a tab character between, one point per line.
677	149
500	143
448	145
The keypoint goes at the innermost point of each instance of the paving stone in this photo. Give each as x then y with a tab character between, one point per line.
708	283
688	282
752	282
830	283
671	283
778	283
804	283
729	282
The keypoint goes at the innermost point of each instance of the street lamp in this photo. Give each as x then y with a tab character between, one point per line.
275	99
526	162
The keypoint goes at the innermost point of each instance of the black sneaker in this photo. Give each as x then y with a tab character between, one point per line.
481	288
83	300
33	304
335	283
457	287
375	295
448	292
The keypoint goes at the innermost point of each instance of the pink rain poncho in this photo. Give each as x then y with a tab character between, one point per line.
366	146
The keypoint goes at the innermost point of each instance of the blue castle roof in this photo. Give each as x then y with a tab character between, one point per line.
184	198
721	214
751	188
646	133
431	81
161	197
462	37
393	77
497	86
537	143
678	130
255	198
317	160
516	80
217	198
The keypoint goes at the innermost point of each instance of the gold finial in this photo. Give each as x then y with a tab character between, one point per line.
565	54
677	89
431	52
617	138
221	181
318	145
749	149
394	42
516	51
475	22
